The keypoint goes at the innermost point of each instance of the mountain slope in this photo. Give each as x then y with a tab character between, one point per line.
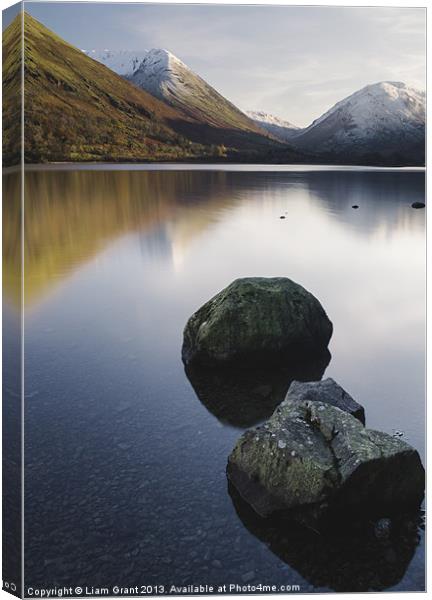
210	116
12	96
381	122
279	128
76	109
122	62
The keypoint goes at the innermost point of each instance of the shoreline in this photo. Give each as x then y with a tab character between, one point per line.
234	167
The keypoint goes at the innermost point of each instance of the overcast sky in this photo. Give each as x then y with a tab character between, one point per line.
294	62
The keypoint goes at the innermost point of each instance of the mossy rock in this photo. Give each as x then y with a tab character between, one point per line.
315	460
257	320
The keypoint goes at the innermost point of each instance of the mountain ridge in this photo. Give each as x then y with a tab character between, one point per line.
122	62
169	79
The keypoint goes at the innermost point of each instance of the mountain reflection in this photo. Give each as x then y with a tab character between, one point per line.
71	216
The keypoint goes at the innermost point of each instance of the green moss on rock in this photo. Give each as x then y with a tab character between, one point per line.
257	319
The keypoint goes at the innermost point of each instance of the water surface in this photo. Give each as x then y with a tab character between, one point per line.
125	466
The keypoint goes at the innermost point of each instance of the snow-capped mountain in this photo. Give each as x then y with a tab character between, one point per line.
122	62
279	128
168	78
386	118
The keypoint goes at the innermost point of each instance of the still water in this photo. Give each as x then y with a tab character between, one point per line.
125	464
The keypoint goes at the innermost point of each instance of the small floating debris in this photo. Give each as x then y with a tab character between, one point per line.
282	217
418	205
398	433
281	444
355	206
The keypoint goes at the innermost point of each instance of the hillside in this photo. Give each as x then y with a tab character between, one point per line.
78	110
11	109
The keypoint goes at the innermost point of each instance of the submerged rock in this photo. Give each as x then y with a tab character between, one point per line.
257	320
328	463
327	391
245	397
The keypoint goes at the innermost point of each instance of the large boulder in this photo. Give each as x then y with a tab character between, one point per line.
315	460
257	320
327	391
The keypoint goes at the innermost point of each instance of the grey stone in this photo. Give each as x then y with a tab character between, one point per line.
328	463
257	320
327	391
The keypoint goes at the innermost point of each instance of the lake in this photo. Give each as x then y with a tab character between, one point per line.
125	462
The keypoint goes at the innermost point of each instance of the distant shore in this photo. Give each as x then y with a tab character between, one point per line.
176	166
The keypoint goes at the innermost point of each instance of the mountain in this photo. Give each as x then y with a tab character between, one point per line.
209	117
12	92
123	62
383	123
76	109
279	128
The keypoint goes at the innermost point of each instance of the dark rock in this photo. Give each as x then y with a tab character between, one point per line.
345	556
418	205
315	460
245	397
257	320
282	217
354	206
327	391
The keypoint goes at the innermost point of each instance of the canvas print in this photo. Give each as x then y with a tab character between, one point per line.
213	299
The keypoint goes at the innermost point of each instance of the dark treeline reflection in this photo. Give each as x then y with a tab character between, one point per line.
70	216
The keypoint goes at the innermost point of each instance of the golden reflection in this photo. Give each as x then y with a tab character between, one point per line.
70	216
12	246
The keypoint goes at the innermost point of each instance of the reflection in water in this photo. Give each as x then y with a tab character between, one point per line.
11	382
245	398
11	213
122	461
347	558
70	216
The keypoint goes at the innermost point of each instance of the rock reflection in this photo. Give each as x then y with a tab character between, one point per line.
243	398
354	558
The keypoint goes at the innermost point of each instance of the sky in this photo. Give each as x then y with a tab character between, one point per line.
294	61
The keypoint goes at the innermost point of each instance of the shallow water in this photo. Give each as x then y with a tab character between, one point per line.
125	466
